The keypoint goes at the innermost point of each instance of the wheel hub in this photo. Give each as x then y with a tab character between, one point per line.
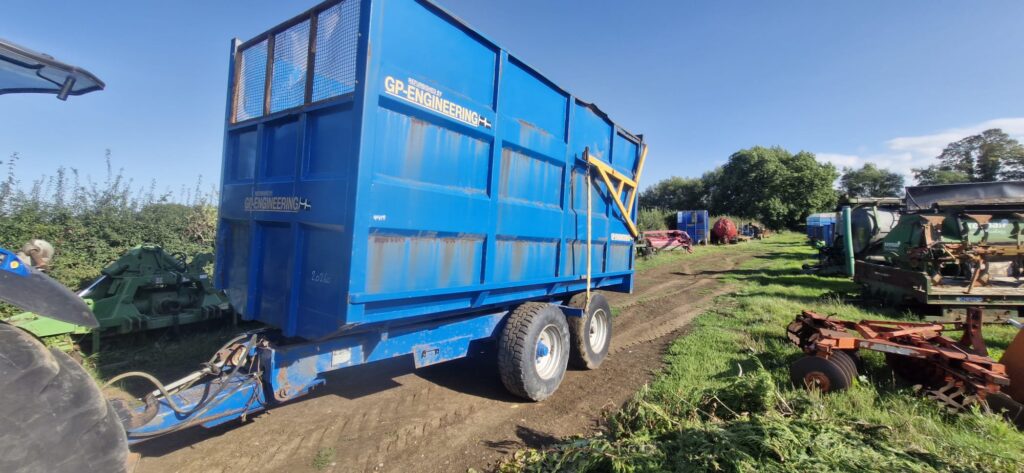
598	330
548	352
818	380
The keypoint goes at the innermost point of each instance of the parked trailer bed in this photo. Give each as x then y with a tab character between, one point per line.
435	193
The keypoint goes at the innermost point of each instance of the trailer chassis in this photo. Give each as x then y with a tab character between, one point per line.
260	369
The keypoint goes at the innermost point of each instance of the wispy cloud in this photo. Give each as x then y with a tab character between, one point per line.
901	154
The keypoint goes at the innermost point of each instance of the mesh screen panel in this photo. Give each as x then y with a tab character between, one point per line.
291	53
337	36
252	81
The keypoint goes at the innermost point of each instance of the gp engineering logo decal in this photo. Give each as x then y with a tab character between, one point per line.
267	202
425	96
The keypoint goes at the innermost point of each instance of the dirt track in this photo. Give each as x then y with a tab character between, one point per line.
453	416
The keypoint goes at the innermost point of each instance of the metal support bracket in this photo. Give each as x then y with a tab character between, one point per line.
609	175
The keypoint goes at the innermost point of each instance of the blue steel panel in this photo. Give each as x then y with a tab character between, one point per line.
415	42
428	152
331	142
625	155
530	179
321	295
242	165
425	260
233	268
522	259
531	101
277	261
282	147
449	181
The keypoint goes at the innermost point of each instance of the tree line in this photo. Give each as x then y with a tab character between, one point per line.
780	188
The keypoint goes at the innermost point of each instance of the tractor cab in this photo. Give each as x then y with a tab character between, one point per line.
24	71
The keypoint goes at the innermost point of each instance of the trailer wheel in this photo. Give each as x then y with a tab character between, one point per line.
54	417
591	334
817	372
534	350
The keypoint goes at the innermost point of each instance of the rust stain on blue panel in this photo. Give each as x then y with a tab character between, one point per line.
399	263
530	179
413	157
420	150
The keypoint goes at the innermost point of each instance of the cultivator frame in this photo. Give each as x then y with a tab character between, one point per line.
957	373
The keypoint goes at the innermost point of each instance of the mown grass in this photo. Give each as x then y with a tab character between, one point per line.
724	402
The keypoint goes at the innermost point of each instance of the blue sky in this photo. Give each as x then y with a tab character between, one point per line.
856	81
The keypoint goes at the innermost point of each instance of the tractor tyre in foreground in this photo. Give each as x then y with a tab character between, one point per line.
54	417
591	334
533	351
818	373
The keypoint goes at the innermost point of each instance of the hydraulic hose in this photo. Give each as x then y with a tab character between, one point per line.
152	379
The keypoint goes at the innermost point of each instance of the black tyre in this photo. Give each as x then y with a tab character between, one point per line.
590	336
533	351
54	417
816	372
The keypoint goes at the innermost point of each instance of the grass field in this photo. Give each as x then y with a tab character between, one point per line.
724	402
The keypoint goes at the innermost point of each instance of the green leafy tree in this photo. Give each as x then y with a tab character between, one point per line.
988	156
871	181
675	193
774	186
938	175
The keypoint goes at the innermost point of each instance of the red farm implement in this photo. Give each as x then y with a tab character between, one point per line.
660	240
956	373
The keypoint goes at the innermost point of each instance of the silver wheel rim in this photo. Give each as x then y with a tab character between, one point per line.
548	352
598	330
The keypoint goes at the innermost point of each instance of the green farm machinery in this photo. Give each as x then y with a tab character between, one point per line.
145	289
953	246
945	247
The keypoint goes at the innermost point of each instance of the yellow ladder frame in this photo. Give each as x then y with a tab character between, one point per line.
608	173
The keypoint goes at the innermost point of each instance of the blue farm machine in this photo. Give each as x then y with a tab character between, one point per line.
417	201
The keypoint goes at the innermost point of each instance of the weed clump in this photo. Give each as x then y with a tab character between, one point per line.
323	459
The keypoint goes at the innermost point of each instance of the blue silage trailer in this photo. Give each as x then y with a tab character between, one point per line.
695	223
434	194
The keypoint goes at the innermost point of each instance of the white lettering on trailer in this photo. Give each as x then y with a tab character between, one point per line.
320	277
266	201
621	237
423	95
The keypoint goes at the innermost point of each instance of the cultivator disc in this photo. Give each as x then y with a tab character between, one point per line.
956	373
956	397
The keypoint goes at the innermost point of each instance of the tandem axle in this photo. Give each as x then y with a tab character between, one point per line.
259	369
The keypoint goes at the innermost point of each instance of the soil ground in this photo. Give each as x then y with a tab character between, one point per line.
453	416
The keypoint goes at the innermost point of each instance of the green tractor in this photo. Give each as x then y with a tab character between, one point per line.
145	289
948	247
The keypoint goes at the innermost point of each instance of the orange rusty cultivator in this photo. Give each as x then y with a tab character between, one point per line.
957	373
